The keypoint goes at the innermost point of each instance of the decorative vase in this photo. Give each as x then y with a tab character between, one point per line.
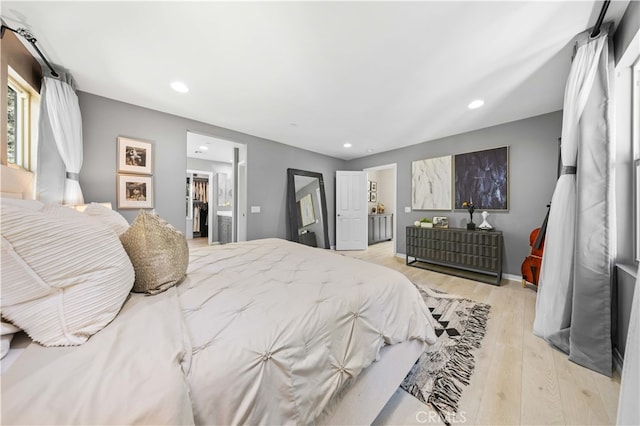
485	225
426	225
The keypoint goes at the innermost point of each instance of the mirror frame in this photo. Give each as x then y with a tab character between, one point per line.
291	204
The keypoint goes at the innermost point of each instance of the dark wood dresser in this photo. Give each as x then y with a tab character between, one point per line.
475	255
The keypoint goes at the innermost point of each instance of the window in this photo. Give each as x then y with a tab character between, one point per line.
635	124
22	103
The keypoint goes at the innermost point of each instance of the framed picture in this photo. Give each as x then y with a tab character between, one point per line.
373	197
306	210
440	222
368	185
134	191
374	186
483	177
431	184
135	156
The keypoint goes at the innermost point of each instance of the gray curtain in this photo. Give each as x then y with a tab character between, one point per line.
590	340
573	309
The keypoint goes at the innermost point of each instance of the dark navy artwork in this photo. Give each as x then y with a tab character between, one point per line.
481	178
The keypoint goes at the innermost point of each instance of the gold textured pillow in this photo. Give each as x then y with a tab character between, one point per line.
158	251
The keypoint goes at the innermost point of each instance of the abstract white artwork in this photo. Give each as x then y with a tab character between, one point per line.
431	184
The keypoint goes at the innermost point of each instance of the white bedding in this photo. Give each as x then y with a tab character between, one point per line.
128	373
261	332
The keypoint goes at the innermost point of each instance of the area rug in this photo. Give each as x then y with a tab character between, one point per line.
441	372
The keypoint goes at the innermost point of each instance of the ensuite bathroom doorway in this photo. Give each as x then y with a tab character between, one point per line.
216	188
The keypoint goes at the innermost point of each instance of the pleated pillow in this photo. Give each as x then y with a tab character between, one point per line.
64	276
158	251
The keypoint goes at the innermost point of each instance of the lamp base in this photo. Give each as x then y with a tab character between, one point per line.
471	226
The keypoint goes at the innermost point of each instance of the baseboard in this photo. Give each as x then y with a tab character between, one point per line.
511	277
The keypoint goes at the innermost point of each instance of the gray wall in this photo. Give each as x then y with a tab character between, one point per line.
533	153
103	120
533	158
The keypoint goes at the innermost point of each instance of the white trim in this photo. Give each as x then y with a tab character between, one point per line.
511	277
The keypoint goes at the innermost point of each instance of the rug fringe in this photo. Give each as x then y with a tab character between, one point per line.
446	392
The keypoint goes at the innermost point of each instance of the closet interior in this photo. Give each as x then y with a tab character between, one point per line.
198	204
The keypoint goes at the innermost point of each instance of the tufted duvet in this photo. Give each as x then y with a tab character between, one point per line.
277	328
260	332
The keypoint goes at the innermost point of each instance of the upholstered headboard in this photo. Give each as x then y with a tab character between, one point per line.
16	183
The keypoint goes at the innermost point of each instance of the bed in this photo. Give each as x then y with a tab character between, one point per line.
259	332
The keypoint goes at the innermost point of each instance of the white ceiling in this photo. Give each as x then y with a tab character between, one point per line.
380	75
209	148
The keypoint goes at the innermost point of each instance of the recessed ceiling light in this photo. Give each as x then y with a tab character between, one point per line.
475	104
179	87
369	150
347	145
204	148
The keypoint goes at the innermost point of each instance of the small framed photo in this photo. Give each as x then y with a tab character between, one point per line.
440	222
134	192
135	156
368	185
374	186
373	197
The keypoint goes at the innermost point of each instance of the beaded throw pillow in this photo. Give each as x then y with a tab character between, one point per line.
158	251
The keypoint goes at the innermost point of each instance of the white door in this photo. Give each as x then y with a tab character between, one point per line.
242	200
351	210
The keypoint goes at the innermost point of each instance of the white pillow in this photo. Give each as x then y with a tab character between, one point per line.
25	204
64	276
7	330
111	218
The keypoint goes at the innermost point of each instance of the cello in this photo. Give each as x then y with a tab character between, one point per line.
531	266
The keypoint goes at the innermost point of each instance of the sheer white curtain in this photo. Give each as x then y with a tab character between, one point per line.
628	407
573	302
60	127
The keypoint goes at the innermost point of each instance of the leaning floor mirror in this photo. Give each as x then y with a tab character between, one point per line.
307	208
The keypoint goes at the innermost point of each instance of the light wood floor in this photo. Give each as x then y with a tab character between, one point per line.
519	378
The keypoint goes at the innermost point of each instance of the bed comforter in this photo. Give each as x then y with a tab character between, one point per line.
261	332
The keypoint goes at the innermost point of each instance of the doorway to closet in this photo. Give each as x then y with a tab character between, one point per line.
215	189
382	201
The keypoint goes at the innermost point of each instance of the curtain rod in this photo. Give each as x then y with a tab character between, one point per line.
603	11
31	39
